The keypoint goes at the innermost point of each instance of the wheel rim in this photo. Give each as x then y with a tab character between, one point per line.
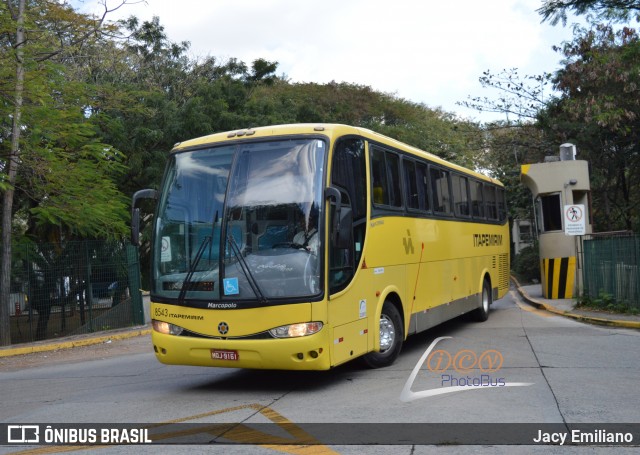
387	333
485	300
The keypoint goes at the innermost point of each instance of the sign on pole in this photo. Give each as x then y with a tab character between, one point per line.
574	219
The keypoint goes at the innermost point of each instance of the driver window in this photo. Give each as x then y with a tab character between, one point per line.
350	178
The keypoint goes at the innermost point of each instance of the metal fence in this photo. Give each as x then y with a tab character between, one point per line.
79	287
610	267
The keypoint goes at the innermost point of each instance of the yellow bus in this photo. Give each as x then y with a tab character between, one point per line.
302	247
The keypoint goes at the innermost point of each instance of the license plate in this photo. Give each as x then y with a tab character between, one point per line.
224	354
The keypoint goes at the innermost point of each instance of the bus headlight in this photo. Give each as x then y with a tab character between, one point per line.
166	328
296	330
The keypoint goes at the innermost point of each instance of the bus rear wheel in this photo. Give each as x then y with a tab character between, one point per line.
481	313
391	337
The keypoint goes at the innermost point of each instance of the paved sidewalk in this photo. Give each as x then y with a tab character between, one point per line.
532	294
74	341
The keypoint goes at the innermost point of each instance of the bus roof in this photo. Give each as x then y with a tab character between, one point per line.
330	130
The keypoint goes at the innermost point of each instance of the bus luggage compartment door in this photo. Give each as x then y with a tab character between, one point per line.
349	341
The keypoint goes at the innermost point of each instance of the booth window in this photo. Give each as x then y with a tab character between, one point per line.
549	212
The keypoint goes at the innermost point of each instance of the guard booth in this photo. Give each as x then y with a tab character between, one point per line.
560	188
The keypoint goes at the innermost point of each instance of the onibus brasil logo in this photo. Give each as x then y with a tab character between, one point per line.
462	362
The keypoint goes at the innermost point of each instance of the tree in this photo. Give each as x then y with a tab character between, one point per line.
138	79
36	37
521	98
556	10
518	139
149	94
11	166
599	110
591	101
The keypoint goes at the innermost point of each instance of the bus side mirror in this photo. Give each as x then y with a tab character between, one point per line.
135	226
135	212
341	219
334	210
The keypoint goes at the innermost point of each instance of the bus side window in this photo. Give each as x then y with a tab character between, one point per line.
379	177
423	186
413	198
385	170
393	169
417	185
440	190
477	204
460	195
490	202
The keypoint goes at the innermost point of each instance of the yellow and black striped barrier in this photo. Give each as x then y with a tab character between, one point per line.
558	277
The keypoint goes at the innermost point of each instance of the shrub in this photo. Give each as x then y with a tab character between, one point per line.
526	265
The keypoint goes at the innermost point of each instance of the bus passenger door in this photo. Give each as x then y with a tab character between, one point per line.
347	224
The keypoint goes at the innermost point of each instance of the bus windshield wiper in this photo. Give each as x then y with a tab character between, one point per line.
187	284
246	270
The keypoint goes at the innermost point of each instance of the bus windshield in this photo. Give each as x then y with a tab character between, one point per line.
241	222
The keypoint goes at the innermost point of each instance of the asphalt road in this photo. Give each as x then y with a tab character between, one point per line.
544	369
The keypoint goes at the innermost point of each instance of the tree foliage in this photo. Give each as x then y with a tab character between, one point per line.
432	130
519	98
43	132
556	11
591	101
599	110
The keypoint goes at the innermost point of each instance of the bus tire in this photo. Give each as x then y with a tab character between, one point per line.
481	313
391	337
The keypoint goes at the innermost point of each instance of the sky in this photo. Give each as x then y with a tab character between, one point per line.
425	51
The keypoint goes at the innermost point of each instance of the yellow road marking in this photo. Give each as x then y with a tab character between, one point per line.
526	307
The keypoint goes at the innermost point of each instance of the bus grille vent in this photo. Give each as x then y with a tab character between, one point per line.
503	272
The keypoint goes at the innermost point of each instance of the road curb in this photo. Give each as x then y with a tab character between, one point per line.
73	343
578	317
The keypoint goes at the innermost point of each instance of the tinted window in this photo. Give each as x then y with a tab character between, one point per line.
385	169
423	185
440	190
379	177
417	185
349	172
490	202
477	205
411	180
393	170
460	195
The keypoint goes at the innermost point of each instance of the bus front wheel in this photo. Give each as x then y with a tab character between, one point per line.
391	337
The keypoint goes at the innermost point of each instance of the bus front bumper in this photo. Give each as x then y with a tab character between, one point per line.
301	353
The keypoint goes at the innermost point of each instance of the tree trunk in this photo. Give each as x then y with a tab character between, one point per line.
7	200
